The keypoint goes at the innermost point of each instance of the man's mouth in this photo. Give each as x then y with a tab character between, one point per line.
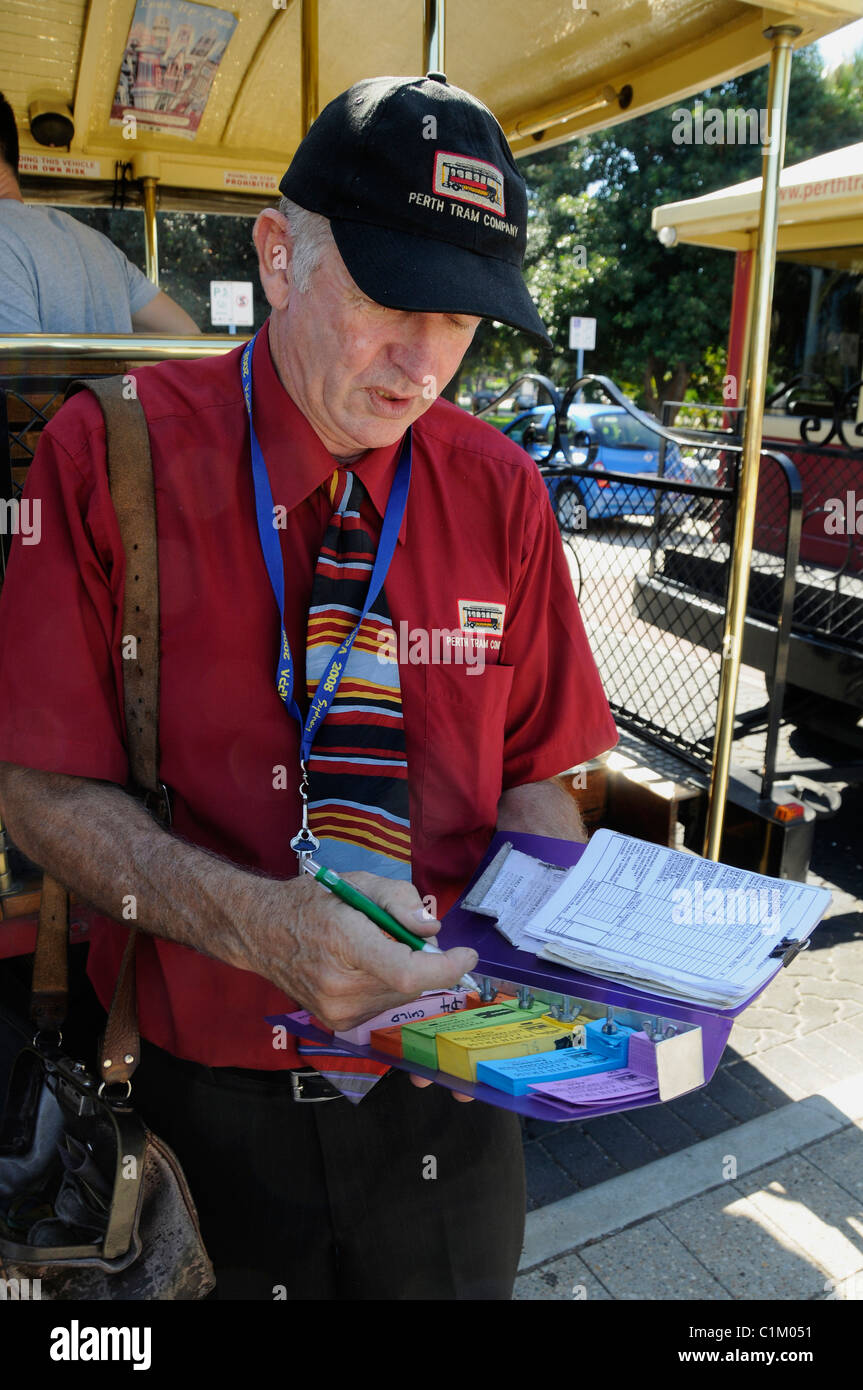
388	402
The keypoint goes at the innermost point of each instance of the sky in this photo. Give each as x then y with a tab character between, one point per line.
841	45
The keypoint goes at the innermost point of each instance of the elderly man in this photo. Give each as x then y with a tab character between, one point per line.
404	224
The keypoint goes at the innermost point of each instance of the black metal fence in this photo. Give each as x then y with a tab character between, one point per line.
824	442
27	403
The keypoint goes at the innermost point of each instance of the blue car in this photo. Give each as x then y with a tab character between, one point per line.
608	439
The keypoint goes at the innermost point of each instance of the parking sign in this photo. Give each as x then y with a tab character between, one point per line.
582	333
231	303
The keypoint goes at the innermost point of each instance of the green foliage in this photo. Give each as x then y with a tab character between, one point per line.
662	313
194	248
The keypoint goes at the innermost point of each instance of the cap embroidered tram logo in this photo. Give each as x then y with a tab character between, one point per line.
469	180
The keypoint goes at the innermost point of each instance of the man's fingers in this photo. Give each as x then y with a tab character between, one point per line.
407	972
421	1082
401	899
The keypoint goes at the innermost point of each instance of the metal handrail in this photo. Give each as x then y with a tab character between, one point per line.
794	483
536	377
146	346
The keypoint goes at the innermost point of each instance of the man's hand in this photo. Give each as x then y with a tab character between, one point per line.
333	960
342	967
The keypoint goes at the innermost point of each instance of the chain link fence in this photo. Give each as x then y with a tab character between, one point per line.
647	518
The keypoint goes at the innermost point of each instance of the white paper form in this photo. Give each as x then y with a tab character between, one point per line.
512	890
671	922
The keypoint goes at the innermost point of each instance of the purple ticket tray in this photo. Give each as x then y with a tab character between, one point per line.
502	961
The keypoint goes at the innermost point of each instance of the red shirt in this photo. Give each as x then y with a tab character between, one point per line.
478	527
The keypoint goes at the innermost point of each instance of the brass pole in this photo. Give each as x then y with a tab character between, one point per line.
151	235
434	36
310	62
747	344
782	37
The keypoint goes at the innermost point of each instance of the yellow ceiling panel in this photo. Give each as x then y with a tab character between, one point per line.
545	67
40	46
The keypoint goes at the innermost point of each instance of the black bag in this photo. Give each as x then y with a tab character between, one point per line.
92	1204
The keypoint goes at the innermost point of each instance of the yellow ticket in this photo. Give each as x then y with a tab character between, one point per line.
458	1053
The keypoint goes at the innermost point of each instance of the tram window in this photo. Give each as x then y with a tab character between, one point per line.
194	248
818	318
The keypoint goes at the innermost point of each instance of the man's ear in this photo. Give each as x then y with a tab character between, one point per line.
274	245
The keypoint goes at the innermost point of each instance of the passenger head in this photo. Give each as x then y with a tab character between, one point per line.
8	136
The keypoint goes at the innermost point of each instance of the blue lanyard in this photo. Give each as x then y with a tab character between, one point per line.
265	512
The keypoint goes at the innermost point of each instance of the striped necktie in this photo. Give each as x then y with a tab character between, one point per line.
358	787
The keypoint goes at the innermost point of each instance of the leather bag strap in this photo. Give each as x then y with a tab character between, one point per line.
49	996
130	477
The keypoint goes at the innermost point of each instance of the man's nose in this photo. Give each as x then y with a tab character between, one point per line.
416	351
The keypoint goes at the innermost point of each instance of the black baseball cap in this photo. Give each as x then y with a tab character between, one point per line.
427	207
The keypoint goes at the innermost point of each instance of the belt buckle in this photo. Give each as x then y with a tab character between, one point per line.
297	1080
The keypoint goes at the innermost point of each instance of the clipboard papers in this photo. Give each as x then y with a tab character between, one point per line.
650	916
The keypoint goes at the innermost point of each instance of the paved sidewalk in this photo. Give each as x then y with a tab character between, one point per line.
773	1210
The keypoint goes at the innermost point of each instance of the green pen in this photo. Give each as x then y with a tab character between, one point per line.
375	913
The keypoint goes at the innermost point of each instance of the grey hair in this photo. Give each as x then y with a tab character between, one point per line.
311	236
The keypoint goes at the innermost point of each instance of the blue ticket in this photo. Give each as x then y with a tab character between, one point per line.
602	1052
515	1074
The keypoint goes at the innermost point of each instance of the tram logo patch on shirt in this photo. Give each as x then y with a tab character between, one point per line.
478	615
469	180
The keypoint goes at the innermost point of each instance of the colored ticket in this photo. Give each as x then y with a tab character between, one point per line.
419	1039
459	1052
433	1005
583	1092
515	1074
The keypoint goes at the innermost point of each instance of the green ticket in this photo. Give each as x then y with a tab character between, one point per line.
419	1040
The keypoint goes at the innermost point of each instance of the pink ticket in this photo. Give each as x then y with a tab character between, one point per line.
598	1089
429	1005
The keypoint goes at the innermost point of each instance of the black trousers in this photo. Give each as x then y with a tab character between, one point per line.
409	1195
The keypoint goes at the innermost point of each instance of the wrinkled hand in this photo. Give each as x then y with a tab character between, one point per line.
333	960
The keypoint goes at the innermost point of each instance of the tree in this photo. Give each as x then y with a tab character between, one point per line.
662	314
194	248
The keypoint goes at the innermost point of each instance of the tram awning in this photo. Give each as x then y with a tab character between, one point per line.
820	206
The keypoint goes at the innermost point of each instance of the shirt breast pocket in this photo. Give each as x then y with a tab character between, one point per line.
465	718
